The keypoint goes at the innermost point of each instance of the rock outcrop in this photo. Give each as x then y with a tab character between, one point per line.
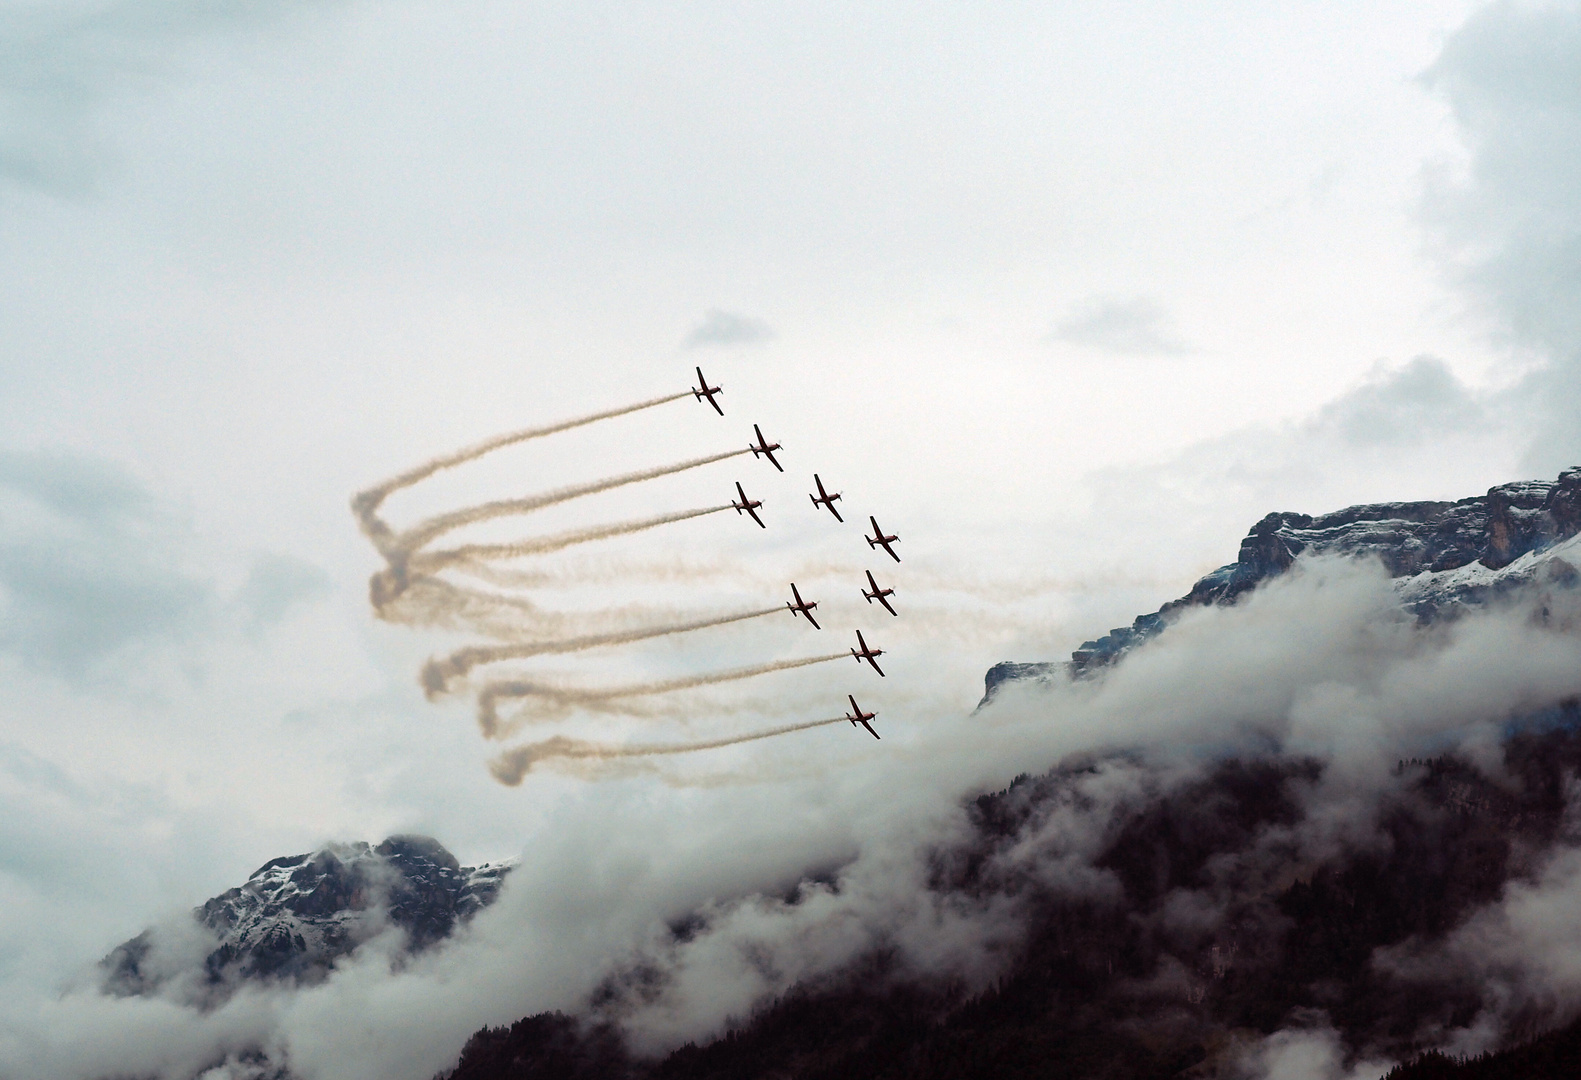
297	915
1443	555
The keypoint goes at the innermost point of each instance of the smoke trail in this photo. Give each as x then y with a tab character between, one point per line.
400	547
428	562
513	765
439	673
366	504
562	699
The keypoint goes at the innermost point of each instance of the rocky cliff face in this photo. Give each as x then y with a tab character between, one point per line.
297	915
1443	555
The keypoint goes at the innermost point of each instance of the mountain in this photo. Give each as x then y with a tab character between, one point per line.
1442	555
1172	921
1557	1053
295	916
1088	986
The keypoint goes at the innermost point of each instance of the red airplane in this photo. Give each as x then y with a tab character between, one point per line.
857	716
878	539
802	607
824	499
879	594
749	505
765	448
867	653
707	392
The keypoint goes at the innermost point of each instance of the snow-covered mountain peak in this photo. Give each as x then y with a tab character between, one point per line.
1442	555
296	915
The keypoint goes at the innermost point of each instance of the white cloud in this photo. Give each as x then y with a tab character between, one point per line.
1123	325
725	328
1512	223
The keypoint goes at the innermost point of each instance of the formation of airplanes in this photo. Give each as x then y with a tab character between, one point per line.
825	499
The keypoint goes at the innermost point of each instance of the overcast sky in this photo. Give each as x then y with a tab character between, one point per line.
1068	295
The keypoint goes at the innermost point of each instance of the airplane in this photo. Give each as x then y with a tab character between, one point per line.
802	607
749	505
824	499
867	653
879	594
879	539
765	448
857	716
707	392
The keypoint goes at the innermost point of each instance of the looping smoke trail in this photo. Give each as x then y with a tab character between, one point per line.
433	601
420	535
511	767
561	698
365	504
431	561
440	673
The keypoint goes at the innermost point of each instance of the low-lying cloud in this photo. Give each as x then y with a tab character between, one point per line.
1319	666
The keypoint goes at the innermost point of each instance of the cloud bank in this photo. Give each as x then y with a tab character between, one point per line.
1320	666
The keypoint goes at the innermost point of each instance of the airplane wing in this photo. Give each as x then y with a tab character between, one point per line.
885	602
812	620
754	513
743	494
876	668
870	730
835	512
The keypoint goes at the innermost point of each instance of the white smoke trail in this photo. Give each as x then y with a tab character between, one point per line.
441	672
430	561
366	503
400	547
560	699
511	767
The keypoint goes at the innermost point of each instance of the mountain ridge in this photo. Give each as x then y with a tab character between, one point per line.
297	914
1442	555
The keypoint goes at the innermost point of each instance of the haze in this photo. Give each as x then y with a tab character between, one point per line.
1068	295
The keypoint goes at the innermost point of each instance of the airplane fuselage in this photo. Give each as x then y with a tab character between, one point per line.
868	653
703	390
803	607
824	499
879	594
878	539
764	448
857	716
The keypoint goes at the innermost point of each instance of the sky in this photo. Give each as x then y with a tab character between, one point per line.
1068	296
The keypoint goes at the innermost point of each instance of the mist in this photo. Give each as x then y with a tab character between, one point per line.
1068	297
1319	666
